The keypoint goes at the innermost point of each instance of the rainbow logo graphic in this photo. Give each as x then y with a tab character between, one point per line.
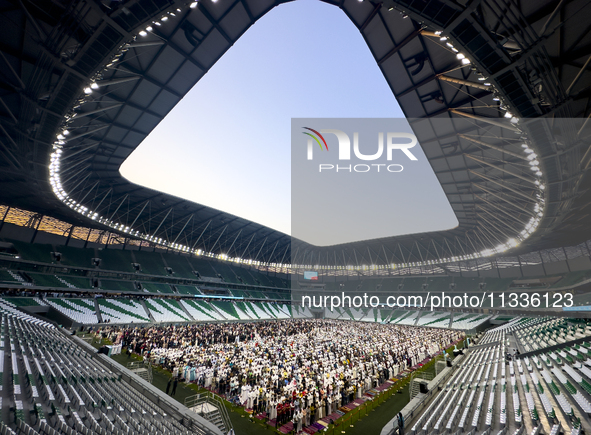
316	138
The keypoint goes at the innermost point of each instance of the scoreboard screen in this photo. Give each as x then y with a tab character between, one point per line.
312	276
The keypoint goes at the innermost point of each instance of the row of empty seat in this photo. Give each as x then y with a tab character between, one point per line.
147	262
56	387
548	391
467	401
128	310
66	282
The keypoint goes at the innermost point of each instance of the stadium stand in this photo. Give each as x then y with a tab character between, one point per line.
75	281
108	284
461	321
7	277
122	311
435	319
226	272
76	256
34	252
166	310
80	310
410	318
200	310
483	394
154	287
23	302
299	312
571	279
150	262
242	315
115	259
43	280
278	311
188	289
227	309
202	266
59	388
179	265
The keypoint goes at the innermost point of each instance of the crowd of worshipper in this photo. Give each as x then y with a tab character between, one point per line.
298	370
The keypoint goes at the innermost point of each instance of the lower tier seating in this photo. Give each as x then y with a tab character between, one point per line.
57	387
80	310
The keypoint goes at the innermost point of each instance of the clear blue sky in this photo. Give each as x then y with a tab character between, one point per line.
227	143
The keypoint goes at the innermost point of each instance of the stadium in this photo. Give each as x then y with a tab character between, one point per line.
127	310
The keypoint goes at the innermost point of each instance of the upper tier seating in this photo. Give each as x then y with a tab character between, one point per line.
180	266
156	287
116	259
76	256
150	263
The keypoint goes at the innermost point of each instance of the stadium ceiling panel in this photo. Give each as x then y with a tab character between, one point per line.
84	82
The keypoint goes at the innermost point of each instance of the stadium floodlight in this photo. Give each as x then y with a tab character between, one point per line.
193	5
94	85
512	242
143	33
87	90
465	61
508	115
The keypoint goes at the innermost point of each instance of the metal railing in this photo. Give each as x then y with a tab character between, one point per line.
219	416
415	379
142	369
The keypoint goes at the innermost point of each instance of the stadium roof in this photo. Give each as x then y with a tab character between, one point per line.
83	83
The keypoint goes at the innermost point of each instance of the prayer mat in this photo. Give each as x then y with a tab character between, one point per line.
286	428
